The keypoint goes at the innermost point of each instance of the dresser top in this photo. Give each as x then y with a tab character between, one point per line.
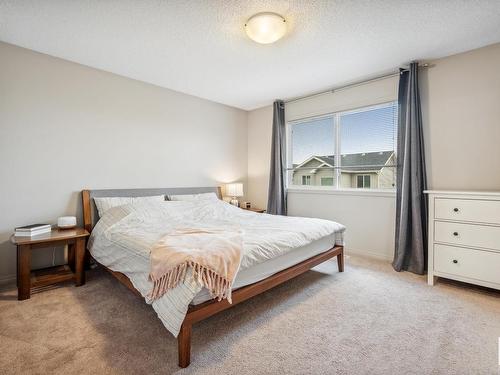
464	192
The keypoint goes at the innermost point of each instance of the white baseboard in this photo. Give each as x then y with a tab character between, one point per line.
370	254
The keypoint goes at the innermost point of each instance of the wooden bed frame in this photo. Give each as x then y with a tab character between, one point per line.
204	310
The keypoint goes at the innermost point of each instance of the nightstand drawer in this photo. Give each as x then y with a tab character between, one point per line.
467	234
474	264
479	211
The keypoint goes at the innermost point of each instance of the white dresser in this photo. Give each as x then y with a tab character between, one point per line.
464	237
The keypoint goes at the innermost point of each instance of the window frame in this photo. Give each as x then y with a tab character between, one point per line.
337	130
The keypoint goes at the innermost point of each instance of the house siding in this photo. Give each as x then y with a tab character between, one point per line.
382	179
387	175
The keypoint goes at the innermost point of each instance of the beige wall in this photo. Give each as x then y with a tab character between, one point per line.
65	127
368	217
259	149
461	113
118	132
375	92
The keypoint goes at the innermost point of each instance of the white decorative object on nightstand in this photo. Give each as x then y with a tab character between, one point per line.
464	237
66	222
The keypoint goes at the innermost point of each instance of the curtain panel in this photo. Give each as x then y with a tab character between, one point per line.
411	204
276	201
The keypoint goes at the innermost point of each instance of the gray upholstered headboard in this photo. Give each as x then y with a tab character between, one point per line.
90	215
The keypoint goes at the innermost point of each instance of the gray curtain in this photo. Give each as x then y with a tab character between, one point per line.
411	204
276	201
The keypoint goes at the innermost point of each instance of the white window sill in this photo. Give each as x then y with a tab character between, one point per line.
331	191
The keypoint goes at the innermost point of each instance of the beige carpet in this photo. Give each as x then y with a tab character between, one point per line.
368	320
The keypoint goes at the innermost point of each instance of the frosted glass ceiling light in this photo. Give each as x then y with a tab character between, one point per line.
265	27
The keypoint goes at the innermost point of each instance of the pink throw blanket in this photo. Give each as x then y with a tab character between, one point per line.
213	254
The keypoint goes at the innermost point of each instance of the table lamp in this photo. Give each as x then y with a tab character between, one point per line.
234	190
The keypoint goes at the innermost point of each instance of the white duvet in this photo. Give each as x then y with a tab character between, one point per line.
124	235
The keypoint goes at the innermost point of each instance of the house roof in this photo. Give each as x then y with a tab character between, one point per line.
366	161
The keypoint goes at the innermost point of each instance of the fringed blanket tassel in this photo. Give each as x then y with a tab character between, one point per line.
218	286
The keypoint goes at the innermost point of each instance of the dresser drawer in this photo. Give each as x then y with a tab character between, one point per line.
467	234
474	210
474	264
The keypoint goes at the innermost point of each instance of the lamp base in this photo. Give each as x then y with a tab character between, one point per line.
234	202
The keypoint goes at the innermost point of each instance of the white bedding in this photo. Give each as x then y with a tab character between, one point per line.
269	267
124	235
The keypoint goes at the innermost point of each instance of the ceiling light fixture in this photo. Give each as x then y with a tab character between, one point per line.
266	27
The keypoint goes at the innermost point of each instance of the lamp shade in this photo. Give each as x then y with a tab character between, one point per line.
234	190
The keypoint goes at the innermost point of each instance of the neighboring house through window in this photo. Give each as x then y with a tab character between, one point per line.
352	149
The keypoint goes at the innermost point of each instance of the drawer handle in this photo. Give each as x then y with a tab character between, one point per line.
456	209
455	234
455	261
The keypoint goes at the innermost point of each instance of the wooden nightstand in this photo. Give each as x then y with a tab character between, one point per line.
74	238
259	210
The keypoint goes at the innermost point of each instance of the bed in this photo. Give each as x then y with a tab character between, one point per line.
276	249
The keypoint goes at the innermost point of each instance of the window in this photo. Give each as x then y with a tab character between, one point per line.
351	149
326	181
363	181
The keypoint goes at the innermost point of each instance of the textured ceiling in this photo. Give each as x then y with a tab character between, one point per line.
199	47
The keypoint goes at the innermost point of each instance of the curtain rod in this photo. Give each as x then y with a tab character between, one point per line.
354	84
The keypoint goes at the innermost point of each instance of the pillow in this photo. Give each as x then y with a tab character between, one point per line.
105	203
193	197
